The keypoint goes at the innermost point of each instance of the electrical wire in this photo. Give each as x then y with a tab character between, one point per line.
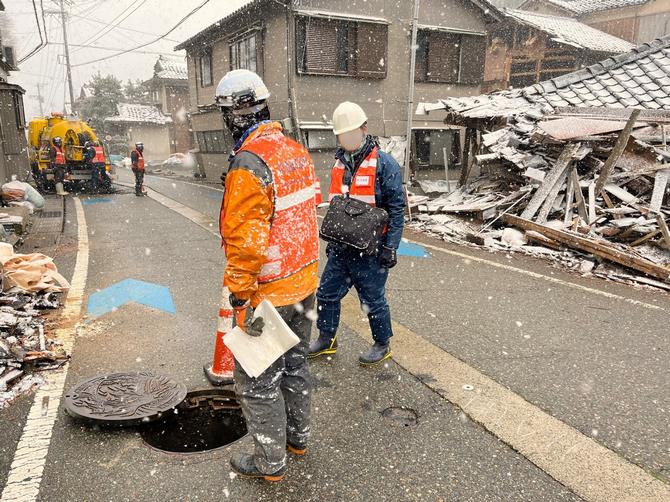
42	44
124	28
181	21
115	22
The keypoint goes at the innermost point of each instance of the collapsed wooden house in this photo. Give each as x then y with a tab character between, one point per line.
580	161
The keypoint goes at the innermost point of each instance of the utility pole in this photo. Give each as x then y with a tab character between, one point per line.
67	55
410	94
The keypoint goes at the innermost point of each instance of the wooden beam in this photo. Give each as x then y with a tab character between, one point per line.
548	204
592	204
465	158
664	228
645	238
596	247
579	197
616	152
660	184
569	197
552	178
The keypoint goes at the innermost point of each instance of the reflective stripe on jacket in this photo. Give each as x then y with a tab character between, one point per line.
59	160
268	219
362	185
100	156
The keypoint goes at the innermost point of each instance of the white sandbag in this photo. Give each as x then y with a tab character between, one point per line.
34	197
257	353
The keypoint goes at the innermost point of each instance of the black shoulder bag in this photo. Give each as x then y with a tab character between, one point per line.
355	224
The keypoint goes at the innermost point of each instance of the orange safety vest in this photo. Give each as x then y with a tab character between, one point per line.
99	155
294	234
363	184
140	160
60	156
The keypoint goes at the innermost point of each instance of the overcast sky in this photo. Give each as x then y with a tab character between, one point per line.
88	18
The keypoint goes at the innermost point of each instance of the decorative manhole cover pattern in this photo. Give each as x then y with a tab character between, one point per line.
124	399
400	415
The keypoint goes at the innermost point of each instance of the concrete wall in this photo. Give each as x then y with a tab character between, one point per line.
156	139
638	24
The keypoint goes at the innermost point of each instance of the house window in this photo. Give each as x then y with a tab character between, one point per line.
206	78
212	142
334	47
244	53
320	139
450	58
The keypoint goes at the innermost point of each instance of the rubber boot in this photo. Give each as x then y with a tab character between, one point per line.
244	465
379	352
60	190
324	345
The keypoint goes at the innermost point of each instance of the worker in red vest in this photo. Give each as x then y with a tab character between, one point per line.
58	164
270	237
94	155
368	174
137	162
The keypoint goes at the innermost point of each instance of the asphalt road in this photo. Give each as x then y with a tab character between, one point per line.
598	364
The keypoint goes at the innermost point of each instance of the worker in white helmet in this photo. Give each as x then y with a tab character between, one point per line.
366	173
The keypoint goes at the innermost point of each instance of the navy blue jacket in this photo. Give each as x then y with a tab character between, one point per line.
389	193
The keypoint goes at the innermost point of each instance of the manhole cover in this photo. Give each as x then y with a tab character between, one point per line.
124	399
206	420
406	417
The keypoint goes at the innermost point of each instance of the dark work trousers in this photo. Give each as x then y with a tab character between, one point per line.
276	405
97	171
59	173
346	268
139	179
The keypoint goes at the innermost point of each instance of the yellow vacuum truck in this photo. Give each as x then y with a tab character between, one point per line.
74	133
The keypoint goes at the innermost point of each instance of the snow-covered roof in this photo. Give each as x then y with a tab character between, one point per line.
341	15
134	113
637	79
581	7
569	31
172	69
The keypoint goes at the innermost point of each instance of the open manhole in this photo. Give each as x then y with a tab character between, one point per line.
400	415
205	420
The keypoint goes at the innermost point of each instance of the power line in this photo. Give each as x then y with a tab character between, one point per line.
42	43
181	21
124	28
98	47
116	21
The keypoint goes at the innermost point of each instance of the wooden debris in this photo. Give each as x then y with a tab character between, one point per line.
664	229
618	149
596	247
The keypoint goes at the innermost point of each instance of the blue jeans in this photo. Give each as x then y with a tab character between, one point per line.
346	268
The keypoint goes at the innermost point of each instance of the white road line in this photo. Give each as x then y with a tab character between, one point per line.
586	467
25	474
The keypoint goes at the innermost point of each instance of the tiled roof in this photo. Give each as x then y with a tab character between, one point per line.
581	7
172	69
637	79
134	113
570	31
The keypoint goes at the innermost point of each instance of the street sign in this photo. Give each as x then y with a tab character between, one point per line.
130	290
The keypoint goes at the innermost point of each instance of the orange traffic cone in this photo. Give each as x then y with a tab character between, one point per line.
220	372
317	189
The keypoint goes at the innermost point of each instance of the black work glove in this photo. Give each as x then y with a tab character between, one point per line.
244	314
388	257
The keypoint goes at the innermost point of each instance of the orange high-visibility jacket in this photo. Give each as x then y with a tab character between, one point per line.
268	220
362	185
99	155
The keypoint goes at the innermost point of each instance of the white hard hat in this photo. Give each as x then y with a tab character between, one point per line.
347	117
241	85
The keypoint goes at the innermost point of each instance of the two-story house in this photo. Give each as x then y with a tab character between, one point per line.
314	54
169	93
637	21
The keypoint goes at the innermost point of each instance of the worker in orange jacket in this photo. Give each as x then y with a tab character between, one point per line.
270	235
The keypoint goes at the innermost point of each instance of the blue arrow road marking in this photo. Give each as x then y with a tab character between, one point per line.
411	249
88	202
131	290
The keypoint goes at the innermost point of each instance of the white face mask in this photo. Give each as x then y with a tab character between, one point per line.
352	140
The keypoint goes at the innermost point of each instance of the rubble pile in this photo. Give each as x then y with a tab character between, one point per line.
24	347
577	185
